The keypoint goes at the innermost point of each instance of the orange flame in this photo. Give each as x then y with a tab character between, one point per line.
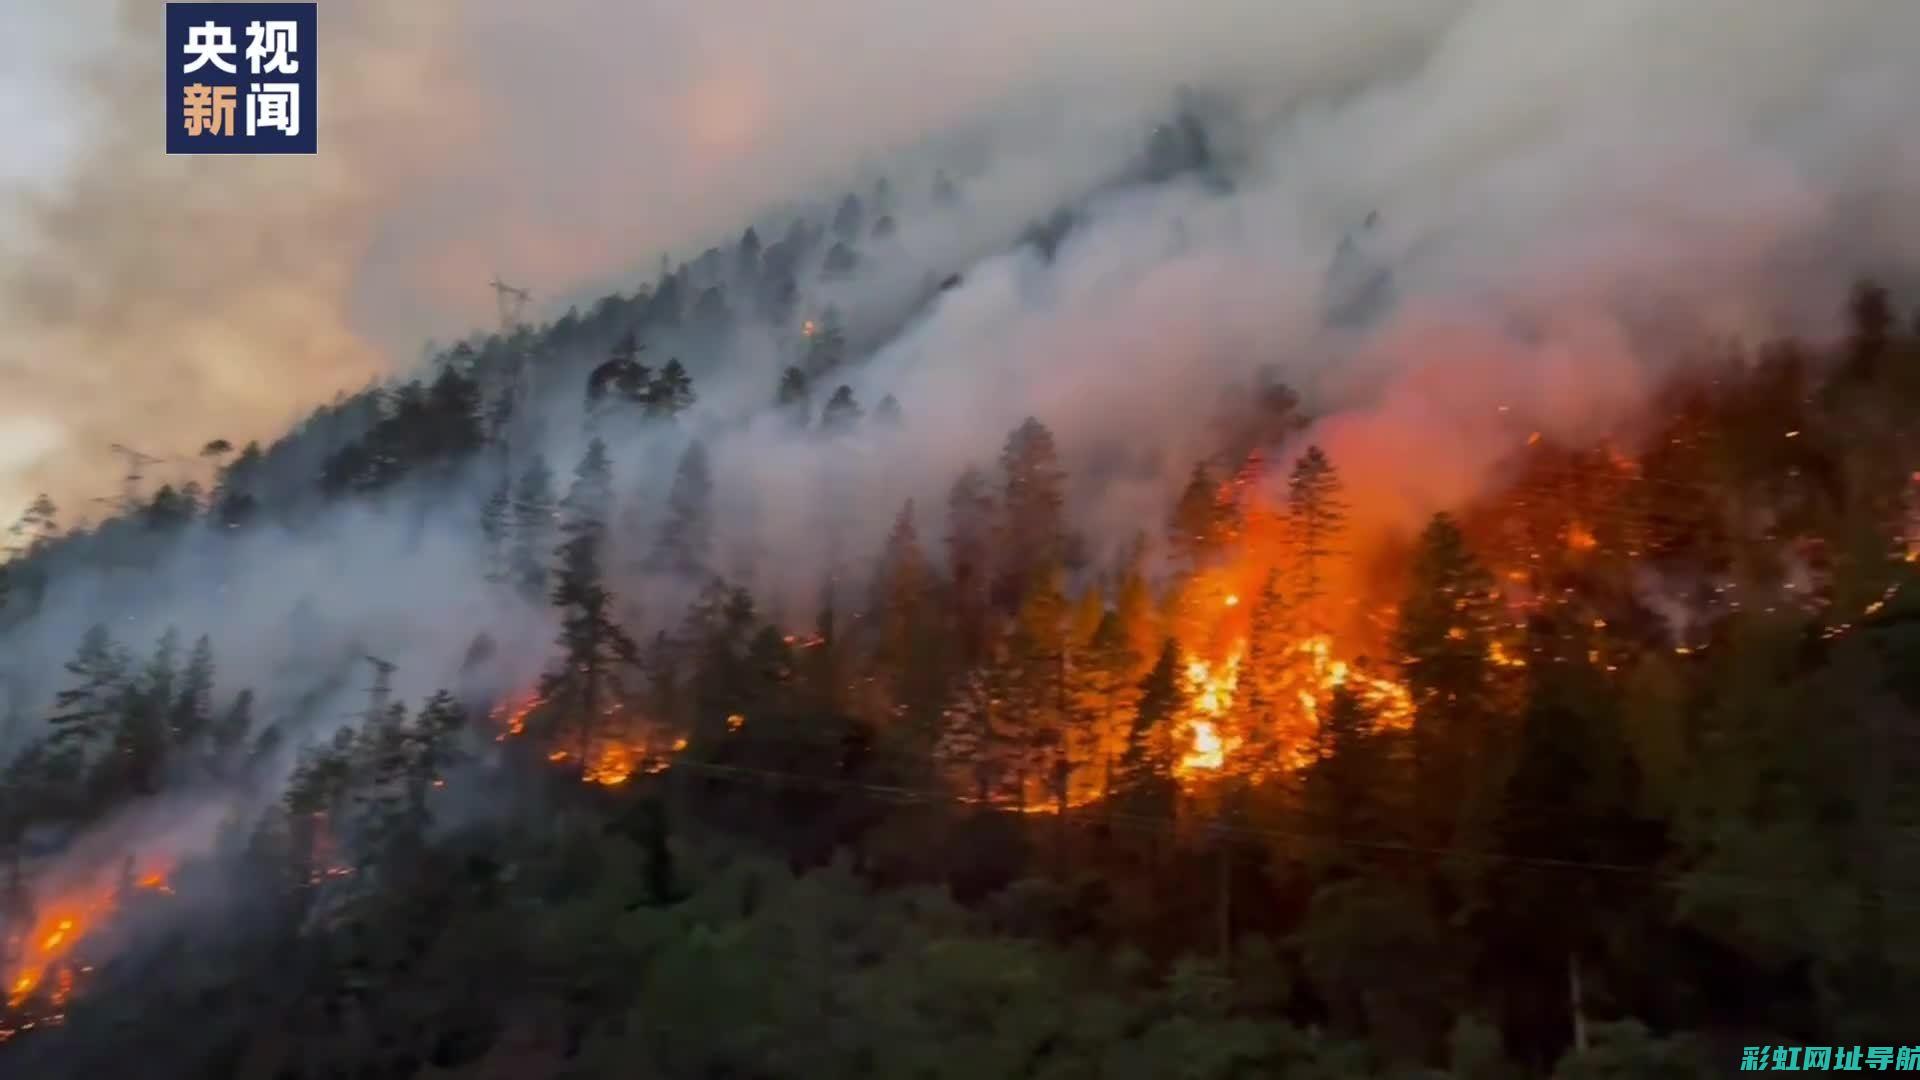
46	945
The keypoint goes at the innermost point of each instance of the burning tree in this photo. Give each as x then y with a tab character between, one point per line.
583	697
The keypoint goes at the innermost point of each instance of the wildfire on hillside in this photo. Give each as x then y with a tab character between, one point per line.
40	960
615	756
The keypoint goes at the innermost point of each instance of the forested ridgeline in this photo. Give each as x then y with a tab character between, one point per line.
1607	773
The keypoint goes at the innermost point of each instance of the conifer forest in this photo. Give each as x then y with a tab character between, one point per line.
946	625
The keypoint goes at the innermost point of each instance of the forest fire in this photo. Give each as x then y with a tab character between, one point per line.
612	761
41	958
1211	693
510	716
1215	732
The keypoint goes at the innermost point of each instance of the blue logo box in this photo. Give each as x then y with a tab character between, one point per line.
240	79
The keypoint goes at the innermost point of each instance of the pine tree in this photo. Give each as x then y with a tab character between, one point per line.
900	592
794	399
589	502
587	688
746	259
826	345
376	784
1198	530
850	218
685	542
1134	607
622	375
192	707
168	510
406	759
453	425
1037	714
496	529
1089	609
887	415
1869	328
232	731
841	260
35	528
1146	768
140	740
434	747
1445	637
970	553
1345	779
718	632
85	714
966	748
533	524
1105	696
670	393
1032	505
841	414
1316	515
1273	677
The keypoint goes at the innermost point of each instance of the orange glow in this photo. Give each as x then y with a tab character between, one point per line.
510	716
1211	694
46	947
612	766
1581	538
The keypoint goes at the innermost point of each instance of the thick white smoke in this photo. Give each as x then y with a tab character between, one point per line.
1556	188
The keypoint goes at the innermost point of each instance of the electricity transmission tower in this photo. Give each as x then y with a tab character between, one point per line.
513	303
510	389
382	689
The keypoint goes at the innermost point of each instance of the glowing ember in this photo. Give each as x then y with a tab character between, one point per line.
511	715
46	947
1581	538
1233	600
1498	656
612	766
735	722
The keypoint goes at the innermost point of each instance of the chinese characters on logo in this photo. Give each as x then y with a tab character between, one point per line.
226	99
1829	1058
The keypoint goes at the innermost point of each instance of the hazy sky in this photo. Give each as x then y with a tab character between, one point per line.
567	144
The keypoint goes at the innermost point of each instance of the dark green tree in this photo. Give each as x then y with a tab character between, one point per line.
87	711
684	545
1445	639
841	414
192	707
1033	508
794	398
671	391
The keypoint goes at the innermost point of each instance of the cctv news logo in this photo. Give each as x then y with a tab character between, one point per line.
240	79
